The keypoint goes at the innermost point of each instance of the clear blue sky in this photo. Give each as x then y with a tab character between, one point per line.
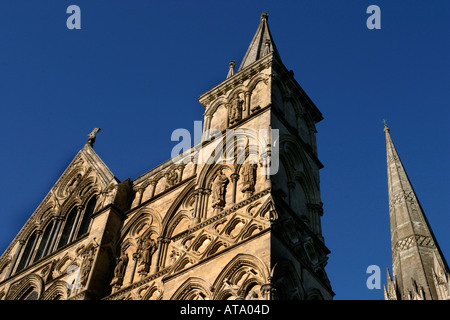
137	68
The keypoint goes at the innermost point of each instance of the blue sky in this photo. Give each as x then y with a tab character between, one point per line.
137	68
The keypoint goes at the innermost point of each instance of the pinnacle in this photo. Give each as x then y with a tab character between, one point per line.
261	45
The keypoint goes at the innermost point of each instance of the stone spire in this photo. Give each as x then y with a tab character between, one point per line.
416	257
231	69
261	44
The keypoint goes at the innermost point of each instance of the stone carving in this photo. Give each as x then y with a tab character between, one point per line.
91	136
172	178
73	184
174	255
119	270
106	196
235	110
86	265
249	178
218	190
146	248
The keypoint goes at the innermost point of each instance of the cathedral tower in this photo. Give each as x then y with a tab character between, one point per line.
419	269
237	216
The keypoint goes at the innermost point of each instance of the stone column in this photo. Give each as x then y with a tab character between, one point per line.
198	207
160	242
135	260
161	253
33	248
152	188
207	126
75	223
205	196
139	194
234	179
247	96
49	243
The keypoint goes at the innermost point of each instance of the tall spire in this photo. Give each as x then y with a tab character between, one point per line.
416	257
261	44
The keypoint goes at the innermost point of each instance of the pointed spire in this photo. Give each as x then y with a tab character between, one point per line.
261	44
390	289
412	240
231	69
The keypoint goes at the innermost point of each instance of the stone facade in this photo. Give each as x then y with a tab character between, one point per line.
217	222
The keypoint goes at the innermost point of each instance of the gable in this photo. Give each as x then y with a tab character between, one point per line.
85	175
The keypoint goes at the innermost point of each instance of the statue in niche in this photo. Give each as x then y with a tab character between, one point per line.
249	178
171	178
146	248
120	268
235	110
218	190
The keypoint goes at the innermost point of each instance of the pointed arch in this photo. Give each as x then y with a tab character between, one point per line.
28	251
287	281
45	240
30	283
293	157
144	218
57	291
241	273
256	79
169	223
193	288
213	107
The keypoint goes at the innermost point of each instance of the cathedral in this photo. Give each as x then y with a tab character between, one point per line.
235	217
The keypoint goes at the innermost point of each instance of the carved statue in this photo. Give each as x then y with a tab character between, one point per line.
249	177
91	136
120	268
235	110
218	190
146	248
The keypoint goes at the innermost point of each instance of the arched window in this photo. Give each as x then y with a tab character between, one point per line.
27	252
44	244
31	294
86	221
77	222
68	226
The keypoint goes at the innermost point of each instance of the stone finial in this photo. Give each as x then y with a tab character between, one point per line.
386	128
91	136
231	68
264	16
